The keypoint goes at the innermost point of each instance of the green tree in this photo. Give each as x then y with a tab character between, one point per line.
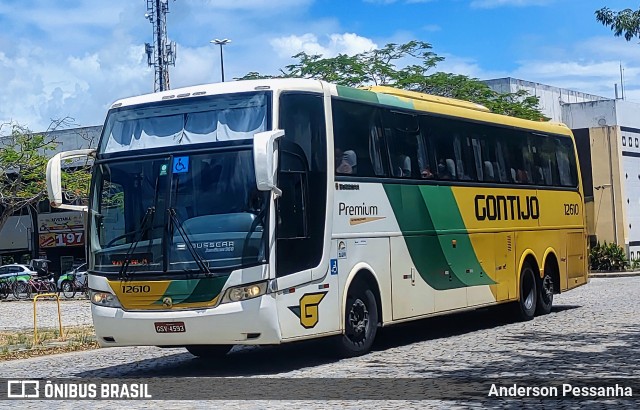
623	23
380	67
23	162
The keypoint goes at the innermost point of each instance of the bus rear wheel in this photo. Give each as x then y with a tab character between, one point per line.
528	293
209	351
545	295
360	322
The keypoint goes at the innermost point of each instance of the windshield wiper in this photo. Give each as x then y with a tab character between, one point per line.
147	222
173	220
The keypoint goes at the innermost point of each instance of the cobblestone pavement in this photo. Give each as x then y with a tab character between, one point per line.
18	314
593	331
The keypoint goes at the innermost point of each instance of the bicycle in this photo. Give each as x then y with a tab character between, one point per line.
5	289
24	290
68	288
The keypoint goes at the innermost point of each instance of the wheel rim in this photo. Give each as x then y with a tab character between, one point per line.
547	288
358	320
528	290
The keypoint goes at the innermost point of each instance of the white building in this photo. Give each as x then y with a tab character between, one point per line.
552	99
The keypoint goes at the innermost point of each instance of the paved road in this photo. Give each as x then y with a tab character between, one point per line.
593	331
18	314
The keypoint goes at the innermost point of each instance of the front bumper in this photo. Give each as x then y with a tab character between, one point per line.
253	321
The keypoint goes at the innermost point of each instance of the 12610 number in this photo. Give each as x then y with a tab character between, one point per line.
571	209
136	289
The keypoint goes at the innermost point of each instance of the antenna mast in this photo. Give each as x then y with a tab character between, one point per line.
162	52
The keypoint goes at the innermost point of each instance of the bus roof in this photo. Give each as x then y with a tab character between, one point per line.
413	95
383	95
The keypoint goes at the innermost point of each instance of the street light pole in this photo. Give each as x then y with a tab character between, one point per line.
221	43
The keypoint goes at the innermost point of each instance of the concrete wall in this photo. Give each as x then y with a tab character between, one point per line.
608	208
16	234
552	99
590	114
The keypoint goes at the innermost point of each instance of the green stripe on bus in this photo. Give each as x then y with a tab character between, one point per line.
355	94
395	101
423	213
194	290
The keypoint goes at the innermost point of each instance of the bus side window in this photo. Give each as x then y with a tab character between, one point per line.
357	132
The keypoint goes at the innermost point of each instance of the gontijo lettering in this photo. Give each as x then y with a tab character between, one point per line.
507	208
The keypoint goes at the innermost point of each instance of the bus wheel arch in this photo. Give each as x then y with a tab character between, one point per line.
362	273
362	313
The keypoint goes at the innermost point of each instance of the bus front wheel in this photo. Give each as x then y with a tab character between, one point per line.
528	292
360	322
209	351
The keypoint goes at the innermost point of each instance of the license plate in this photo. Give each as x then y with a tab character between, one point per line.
169	327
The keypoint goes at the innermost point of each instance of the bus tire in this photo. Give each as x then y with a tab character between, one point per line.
209	351
360	322
528	294
545	295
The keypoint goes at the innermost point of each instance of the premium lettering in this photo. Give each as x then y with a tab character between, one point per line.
506	208
357	210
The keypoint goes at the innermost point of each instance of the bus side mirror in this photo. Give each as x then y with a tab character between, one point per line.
54	177
265	160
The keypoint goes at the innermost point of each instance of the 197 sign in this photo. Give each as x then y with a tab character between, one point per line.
54	240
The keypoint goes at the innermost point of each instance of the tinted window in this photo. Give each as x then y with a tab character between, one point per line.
358	139
302	178
406	149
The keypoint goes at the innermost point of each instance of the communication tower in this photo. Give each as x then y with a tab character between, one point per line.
162	52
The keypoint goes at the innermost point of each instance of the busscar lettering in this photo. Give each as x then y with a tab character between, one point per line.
347	187
506	208
357	210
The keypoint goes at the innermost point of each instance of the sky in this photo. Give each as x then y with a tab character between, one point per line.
73	58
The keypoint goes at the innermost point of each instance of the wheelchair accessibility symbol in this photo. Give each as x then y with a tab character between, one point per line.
180	165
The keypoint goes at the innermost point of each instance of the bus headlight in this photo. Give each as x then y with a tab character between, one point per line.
105	299
244	292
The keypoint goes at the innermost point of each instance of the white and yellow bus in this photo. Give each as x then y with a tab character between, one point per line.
271	211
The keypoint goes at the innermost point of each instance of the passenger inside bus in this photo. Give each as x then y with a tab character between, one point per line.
400	162
348	162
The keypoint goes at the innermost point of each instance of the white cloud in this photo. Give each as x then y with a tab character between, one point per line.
250	5
395	1
334	44
490	4
431	28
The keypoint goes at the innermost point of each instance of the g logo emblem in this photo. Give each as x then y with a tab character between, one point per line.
308	310
167	302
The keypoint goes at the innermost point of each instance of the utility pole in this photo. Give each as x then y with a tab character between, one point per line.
221	43
162	52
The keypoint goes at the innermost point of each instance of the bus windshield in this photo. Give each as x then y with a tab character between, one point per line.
185	122
187	213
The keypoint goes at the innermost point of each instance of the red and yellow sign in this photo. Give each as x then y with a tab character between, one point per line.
61	229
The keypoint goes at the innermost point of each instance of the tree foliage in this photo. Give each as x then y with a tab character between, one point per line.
623	23
382	67
23	161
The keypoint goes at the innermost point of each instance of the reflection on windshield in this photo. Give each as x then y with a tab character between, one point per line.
207	214
185	122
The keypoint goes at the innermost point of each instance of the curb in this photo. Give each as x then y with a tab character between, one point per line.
613	274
